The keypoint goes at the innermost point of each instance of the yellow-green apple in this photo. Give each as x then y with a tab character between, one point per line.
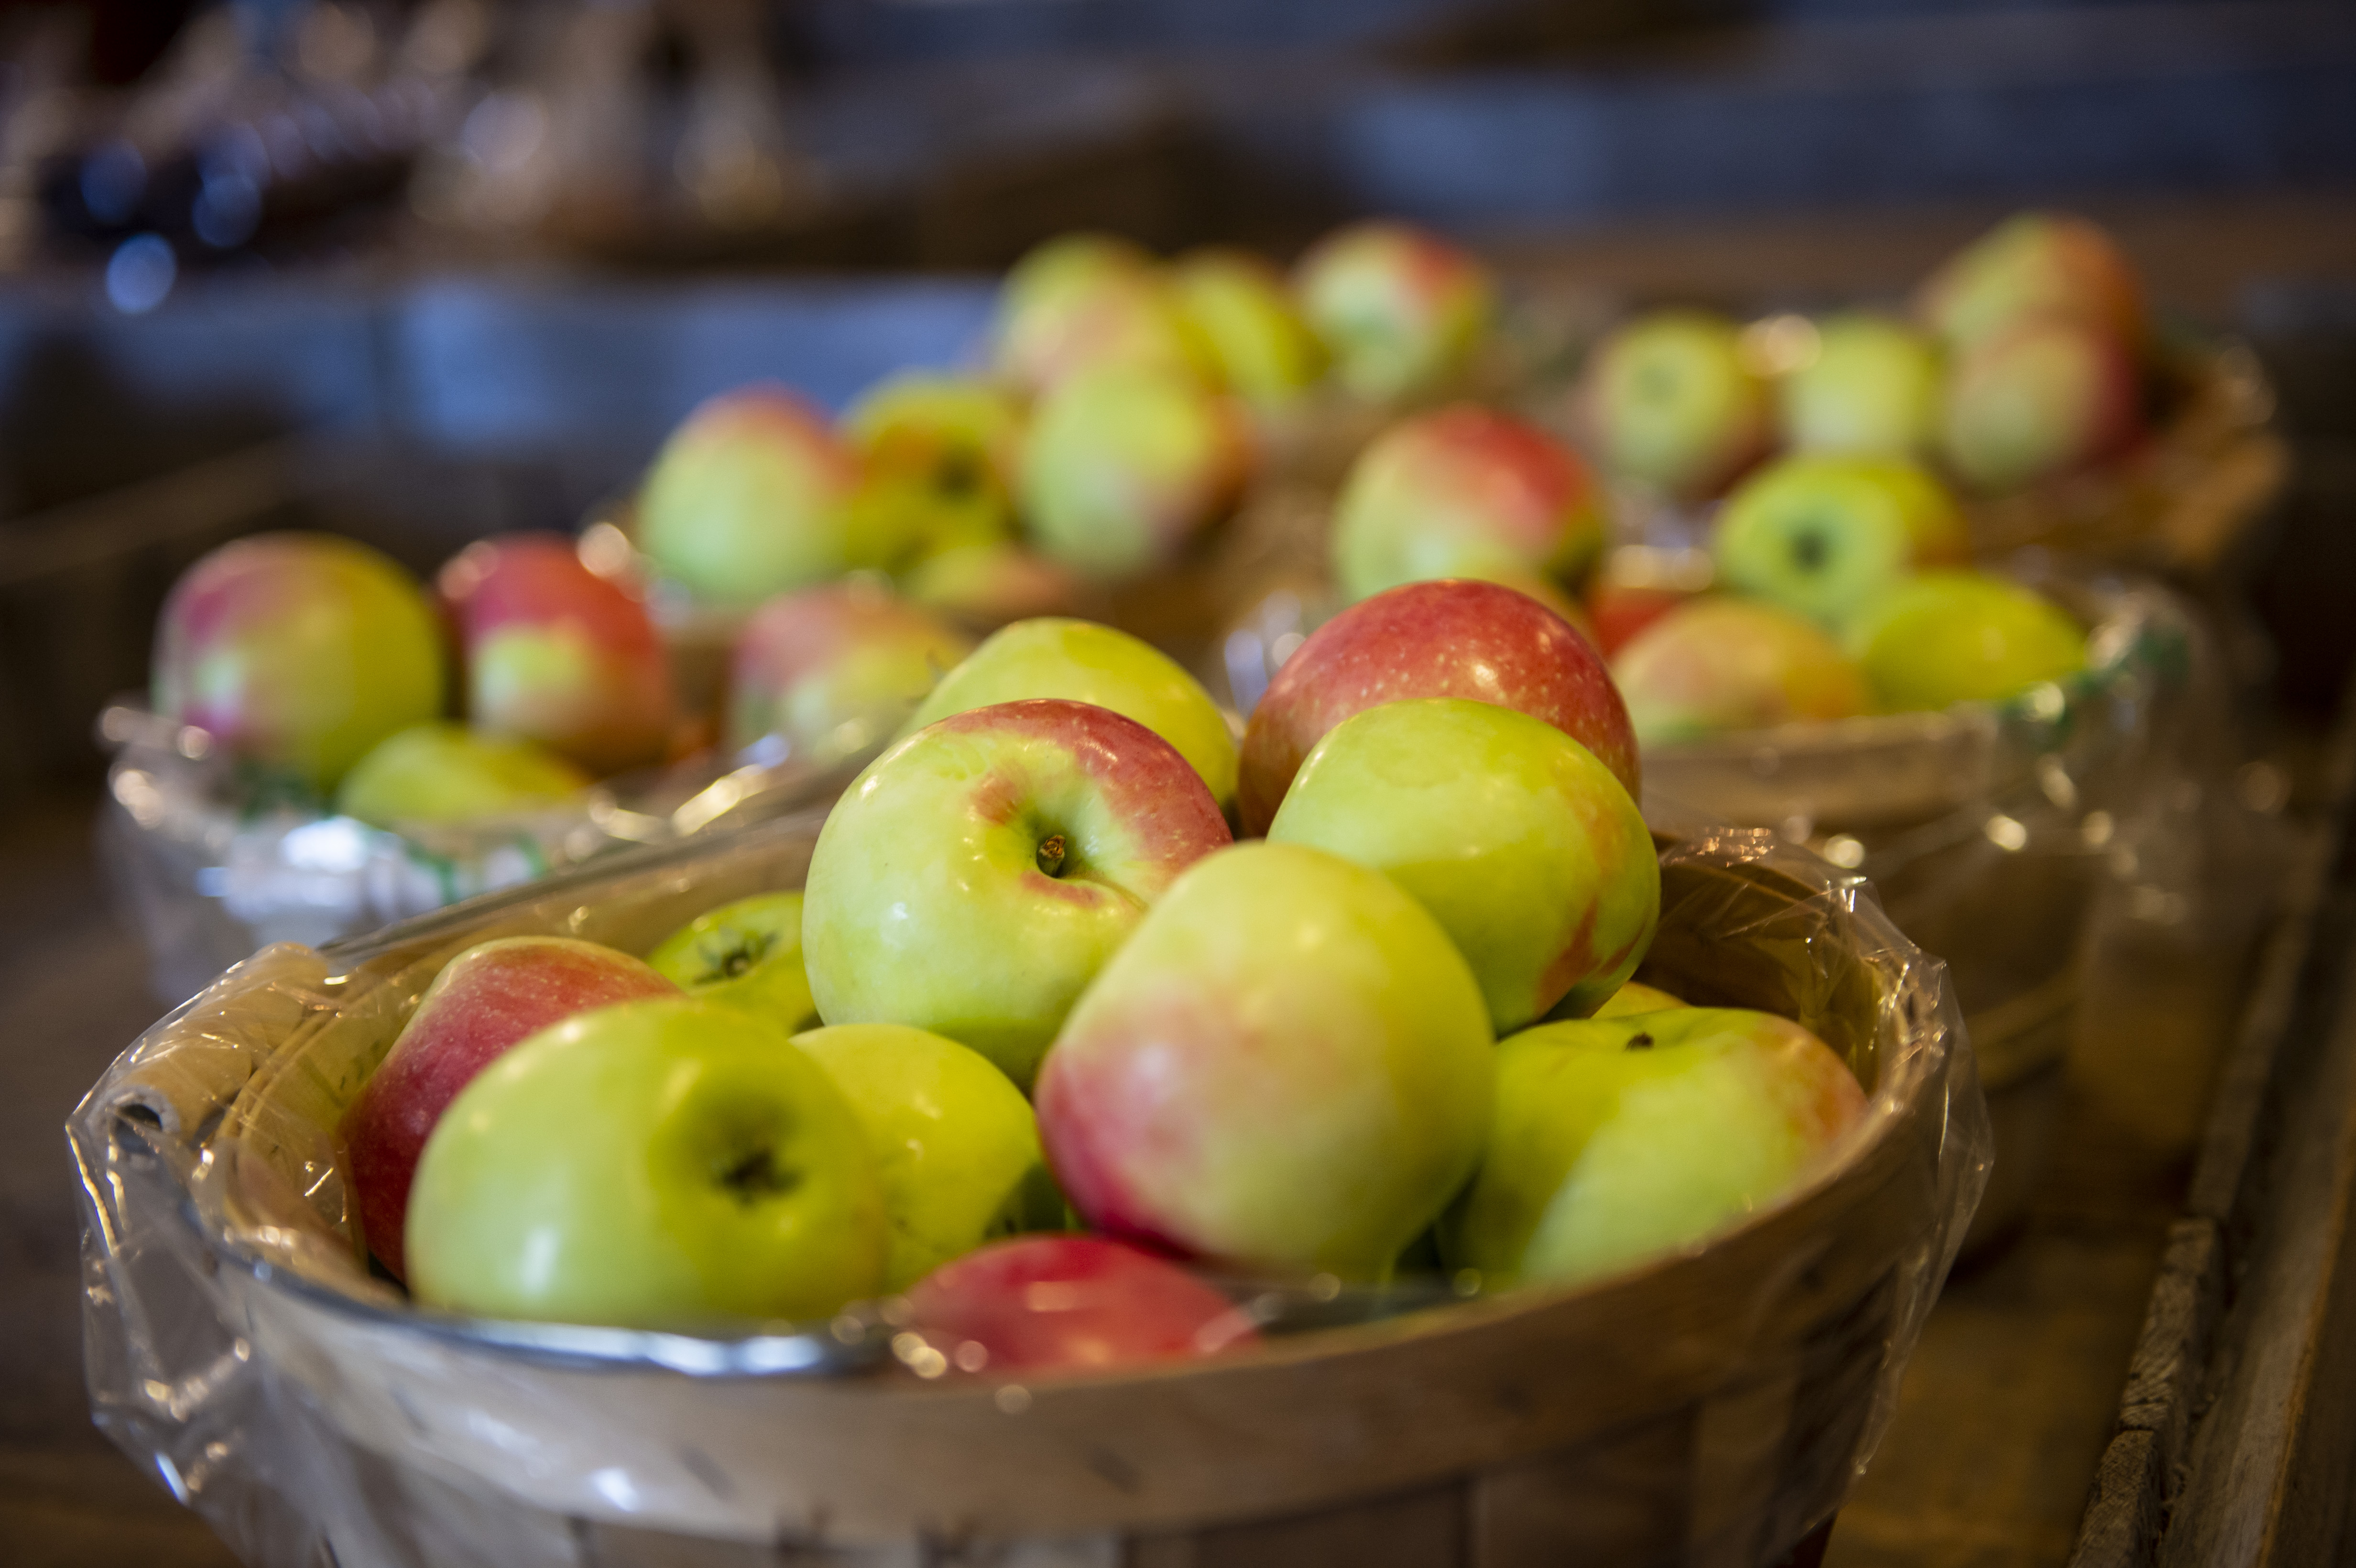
1286	1067
751	496
1620	1138
1239	303
1633	998
1457	638
1464	492
747	954
985	586
556	652
668	1163
2033	264
1671	401
834	671
1964	636
1109	318
1529	853
1081	661
2046	396
1065	262
1871	387
1821	535
1616	612
979	872
937	467
955	1143
1720	663
444	774
1048	1303
297	653
1122	468
483	1003
1401	310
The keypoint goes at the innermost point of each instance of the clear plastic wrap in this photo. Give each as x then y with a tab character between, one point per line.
1708	1407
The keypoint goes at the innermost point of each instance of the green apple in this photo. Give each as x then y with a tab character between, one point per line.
937	467
982	587
1080	661
1945	637
1288	1067
1871	387
750	497
1618	1139
1122	468
2034	264
1671	401
661	1164
978	873
1717	665
2043	398
1067	261
1401	310
1525	847
747	954
443	773
1265	351
955	1143
1635	997
1821	535
833	671
1090	308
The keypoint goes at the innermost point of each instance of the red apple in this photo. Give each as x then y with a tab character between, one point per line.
1456	638
835	670
1719	664
1109	318
556	653
484	1001
751	496
2044	397
1618	610
1070	1304
2034	264
1401	309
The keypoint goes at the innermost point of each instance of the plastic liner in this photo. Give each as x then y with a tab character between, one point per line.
1709	1407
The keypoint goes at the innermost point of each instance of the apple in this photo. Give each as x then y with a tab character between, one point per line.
747	954
1460	638
1122	468
1635	997
1401	310
1109	318
556	653
1616	612
2042	397
1051	1304
665	1164
445	774
955	1144
1945	637
1068	260
1821	535
1266	354
1464	492
1671	401
1617	1139
482	1002
1080	661
937	456
985	586
751	496
833	671
1871	388
1286	1067
297	653
2033	264
1720	663
977	875
1529	853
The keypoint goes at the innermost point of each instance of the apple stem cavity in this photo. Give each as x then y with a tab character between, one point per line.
757	1176
1052	851
1808	550
1640	1041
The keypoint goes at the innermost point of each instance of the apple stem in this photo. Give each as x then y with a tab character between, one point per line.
1051	855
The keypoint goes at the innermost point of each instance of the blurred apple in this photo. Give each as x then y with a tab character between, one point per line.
1100	315
1068	260
747	954
1266	354
1286	1067
1617	1139
1048	1303
297	653
751	496
978	873
1720	665
2045	397
1465	492
955	1144
1402	311
2034	264
1945	637
833	671
1871	388
1460	638
1616	612
556	653
445	773
1529	853
482	1002
1671	401
1821	535
985	586
937	467
667	1164
1080	661
1122	468
1636	998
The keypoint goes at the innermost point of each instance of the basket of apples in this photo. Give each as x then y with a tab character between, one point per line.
1010	1165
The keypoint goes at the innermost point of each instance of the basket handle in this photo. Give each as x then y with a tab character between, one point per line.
185	1071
